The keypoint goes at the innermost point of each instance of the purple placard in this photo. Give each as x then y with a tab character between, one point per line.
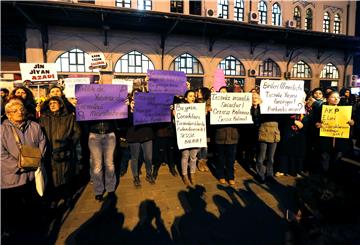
100	101
171	82
152	108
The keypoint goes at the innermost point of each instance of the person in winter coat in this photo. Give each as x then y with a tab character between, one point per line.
57	91
226	139
18	194
63	134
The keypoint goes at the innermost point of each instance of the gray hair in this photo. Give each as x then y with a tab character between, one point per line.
12	103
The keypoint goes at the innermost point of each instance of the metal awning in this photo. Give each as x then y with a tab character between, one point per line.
57	13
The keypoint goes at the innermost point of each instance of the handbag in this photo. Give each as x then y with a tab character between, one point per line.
29	156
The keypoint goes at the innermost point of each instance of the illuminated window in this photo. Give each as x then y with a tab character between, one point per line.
176	6
223	9
330	71
262	12
326	22
239	10
232	66
74	60
144	4
301	70
276	15
134	62
123	3
188	64
337	24
297	17
269	69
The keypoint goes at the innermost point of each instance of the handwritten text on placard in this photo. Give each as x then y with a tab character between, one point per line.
335	121
172	82
282	97
230	108
190	125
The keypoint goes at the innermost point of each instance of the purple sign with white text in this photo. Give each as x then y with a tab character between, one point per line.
100	102
171	82
152	108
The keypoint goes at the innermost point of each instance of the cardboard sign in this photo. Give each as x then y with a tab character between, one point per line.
128	83
282	97
37	72
100	102
231	108
171	82
97	60
152	108
69	84
219	79
190	125
335	121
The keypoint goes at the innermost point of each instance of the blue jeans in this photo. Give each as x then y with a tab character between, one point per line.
268	150
226	158
147	148
101	147
188	158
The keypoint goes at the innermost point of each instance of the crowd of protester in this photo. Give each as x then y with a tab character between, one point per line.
273	146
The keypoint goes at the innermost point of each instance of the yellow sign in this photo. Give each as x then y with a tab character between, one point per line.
335	121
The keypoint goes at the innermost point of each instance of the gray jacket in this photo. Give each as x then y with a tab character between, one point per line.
31	135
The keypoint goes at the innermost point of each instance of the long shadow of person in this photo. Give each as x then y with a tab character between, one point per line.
145	232
196	226
105	227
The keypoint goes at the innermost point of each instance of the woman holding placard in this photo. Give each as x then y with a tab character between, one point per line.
331	149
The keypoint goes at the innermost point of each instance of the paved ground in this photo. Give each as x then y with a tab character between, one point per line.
168	212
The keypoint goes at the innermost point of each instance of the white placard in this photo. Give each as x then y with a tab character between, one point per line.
190	125
230	108
282	97
129	83
97	60
70	83
38	71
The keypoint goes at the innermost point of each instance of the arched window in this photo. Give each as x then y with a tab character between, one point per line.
74	60
262	8
188	64
223	9
239	10
144	4
337	24
308	19
269	69
134	62
326	22
232	66
330	72
276	15
301	70
123	3
297	17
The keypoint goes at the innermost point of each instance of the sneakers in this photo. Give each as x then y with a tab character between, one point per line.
150	179
192	178
232	182
279	174
185	179
137	183
222	181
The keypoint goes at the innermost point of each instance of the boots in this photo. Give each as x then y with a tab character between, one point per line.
192	178
185	180
173	171
201	165
155	172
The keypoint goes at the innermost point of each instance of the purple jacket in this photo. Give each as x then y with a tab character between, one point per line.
32	135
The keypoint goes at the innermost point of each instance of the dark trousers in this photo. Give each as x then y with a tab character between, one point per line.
164	151
225	160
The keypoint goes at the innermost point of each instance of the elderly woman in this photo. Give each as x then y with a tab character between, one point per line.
17	185
63	135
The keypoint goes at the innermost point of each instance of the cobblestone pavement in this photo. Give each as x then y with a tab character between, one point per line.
169	212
